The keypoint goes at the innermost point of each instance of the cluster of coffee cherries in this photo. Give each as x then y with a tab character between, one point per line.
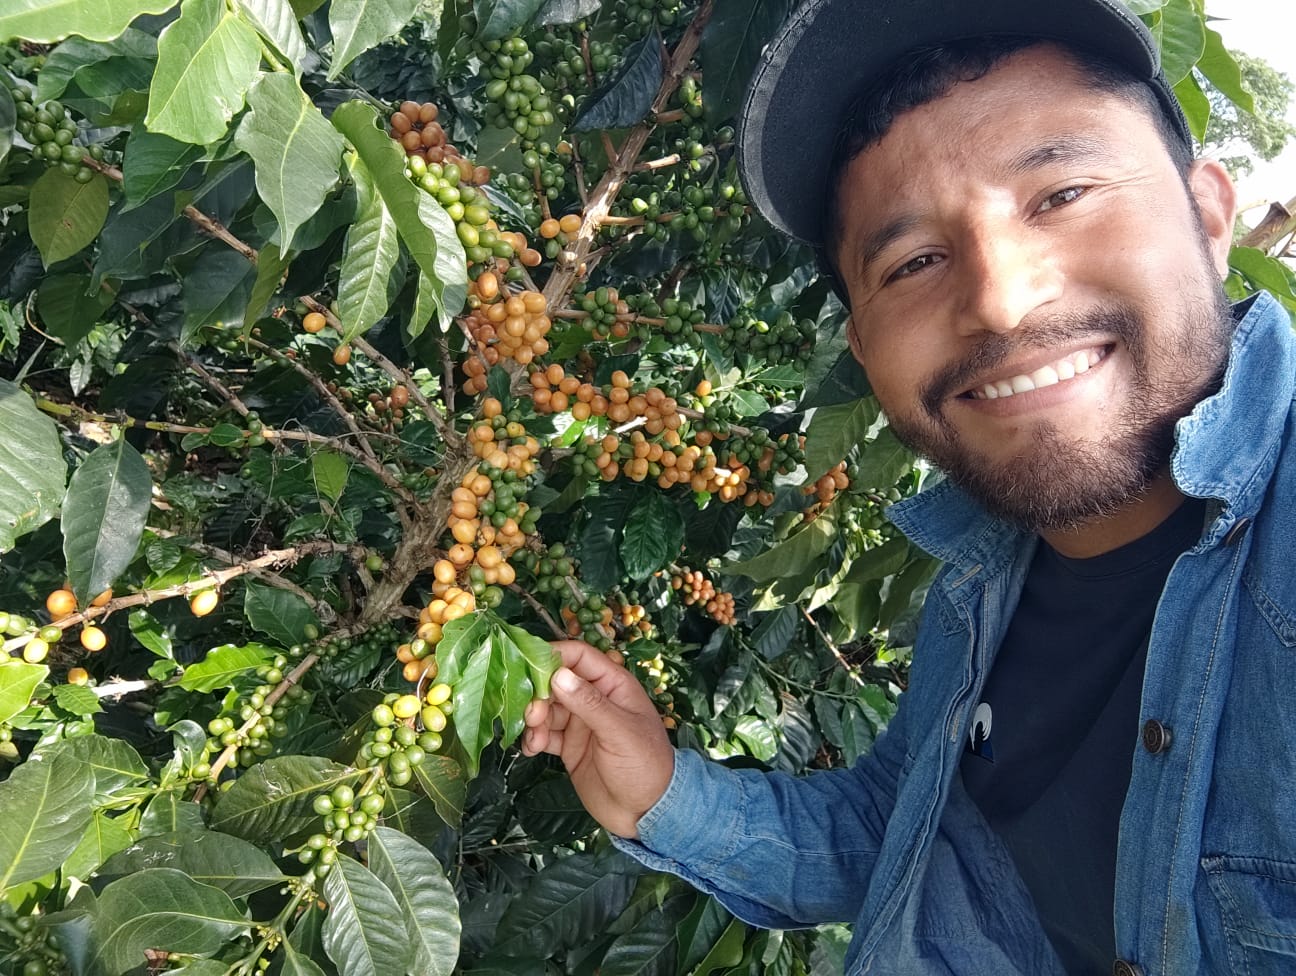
551	566
695	589
416	128
562	64
60	604
641	14
755	340
260	720
395	743
504	325
552	391
558	232
516	100
347	817
825	489
590	620
25	945
607	315
52	131
545	167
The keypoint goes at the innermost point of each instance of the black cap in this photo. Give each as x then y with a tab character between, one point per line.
831	50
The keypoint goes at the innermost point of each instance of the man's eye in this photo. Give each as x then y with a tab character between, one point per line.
1068	195
913	266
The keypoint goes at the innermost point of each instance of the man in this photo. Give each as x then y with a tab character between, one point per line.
1094	767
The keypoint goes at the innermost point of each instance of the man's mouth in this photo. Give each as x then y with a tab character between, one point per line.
1066	368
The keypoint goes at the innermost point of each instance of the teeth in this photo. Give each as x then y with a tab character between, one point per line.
1064	369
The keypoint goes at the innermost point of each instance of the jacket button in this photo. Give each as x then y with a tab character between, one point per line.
1156	737
1123	968
1237	532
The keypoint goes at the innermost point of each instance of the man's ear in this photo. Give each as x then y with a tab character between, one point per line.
853	338
1216	197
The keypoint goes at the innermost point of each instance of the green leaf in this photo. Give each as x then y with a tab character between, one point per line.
363	931
565	11
18	682
1181	33
69	306
46	806
444	295
880	561
358	25
1196	106
366	286
278	612
385	162
276	21
1222	70
566	901
8	120
652	537
427	901
170	813
153	163
497	19
295	151
32	472
149	632
270	268
797	554
464	657
884	461
330	471
731	45
773	635
542	660
64	215
442	780
607	511
834	431
628	95
103	838
220	860
758	736
1264	271
222	665
296	964
77	699
160	908
727	951
273	798
649	949
104	513
207	59
215	292
46	21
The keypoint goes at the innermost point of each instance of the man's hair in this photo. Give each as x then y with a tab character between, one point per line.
927	73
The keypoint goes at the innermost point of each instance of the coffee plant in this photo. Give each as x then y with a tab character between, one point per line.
350	352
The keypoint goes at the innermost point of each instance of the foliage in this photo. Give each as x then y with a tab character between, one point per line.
349	356
1236	136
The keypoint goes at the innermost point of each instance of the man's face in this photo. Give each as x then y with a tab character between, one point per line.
1034	293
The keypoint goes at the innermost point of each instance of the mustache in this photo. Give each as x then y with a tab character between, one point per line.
993	350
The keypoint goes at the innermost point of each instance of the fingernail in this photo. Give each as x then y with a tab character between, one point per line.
565	680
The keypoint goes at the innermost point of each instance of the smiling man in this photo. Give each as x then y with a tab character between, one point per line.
1092	770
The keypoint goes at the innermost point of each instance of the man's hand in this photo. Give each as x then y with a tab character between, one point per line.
603	726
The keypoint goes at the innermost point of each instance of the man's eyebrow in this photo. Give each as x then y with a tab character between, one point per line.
1068	149
875	243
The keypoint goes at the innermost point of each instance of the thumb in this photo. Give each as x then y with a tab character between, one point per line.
583	700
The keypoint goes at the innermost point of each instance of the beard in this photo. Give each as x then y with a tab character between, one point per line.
1058	483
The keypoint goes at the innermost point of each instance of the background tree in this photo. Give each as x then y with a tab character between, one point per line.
1237	137
349	351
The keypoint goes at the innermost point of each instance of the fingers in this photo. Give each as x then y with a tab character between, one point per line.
609	678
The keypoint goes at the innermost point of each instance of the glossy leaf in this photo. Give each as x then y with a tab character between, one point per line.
276	21
273	798
565	11
223	665
112	763
497	19
1181	32
731	45
570	898
103	516
444	295
883	461
834	432
207	60
297	964
794	556
427	901
150	633
216	292
652	536
211	858
358	25
1223	72
154	163
295	151
442	780
32	471
47	810
628	95
1196	106
65	215
46	21
69	306
8	120
103	838
363	931
271	265
18	681
366	287
649	949
278	612
160	908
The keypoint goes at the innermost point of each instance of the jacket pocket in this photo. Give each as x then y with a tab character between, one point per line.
1275	605
1257	902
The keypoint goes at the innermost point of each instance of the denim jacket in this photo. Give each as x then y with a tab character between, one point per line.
1206	860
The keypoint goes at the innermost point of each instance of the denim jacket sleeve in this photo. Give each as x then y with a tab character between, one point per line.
777	851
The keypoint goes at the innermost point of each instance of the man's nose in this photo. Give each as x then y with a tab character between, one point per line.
1007	273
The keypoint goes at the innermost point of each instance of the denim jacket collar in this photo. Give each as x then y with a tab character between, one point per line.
1225	449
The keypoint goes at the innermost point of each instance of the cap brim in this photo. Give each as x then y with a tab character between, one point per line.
830	50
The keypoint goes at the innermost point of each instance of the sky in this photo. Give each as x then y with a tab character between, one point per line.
1266	29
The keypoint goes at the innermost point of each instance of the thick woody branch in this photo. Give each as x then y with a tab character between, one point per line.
1278	223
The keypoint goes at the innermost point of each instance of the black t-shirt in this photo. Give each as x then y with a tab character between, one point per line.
1061	709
